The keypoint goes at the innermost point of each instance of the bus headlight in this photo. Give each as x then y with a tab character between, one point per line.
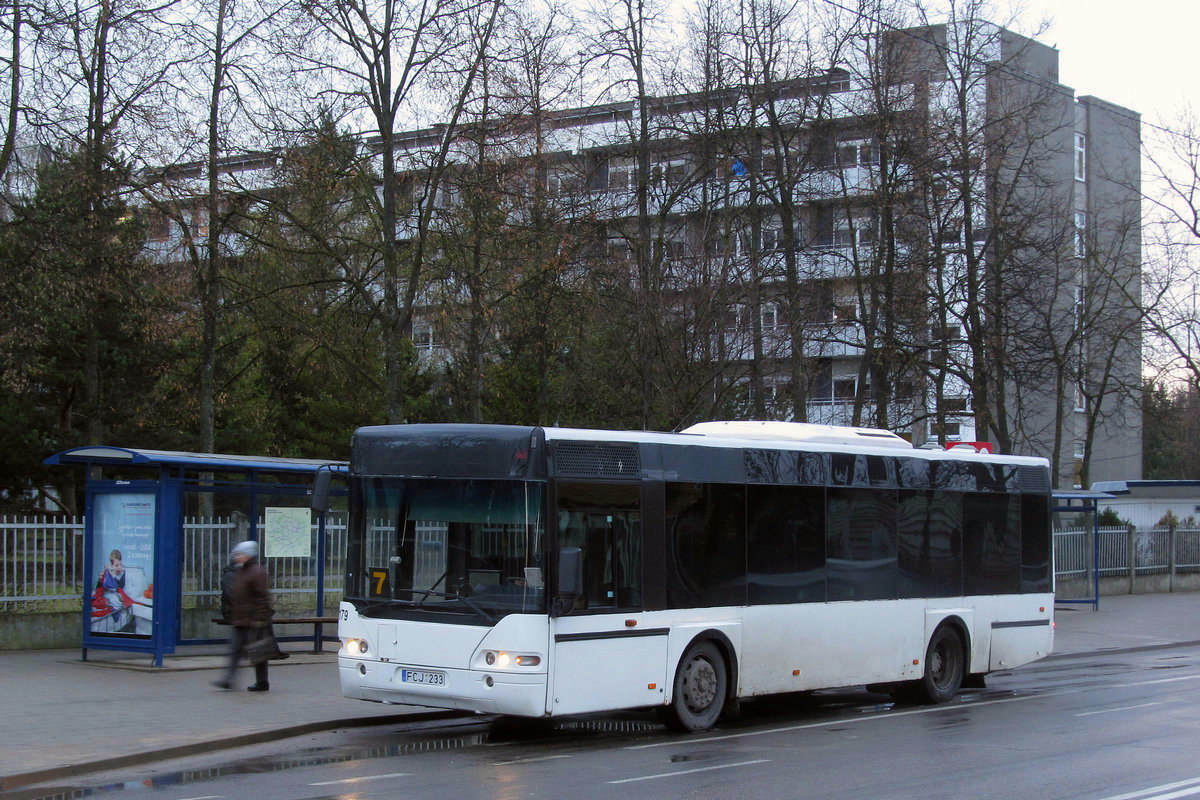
504	660
356	647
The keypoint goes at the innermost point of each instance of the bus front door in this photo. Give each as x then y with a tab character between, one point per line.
603	655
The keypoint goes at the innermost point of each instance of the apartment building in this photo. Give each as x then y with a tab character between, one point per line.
937	237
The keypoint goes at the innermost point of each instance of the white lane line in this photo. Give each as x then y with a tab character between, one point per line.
363	779
1190	787
829	723
1195	790
690	771
1112	710
1160	680
526	760
205	797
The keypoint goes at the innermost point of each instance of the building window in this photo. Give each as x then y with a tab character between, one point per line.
948	333
770	316
668	173
849	231
843	389
951	430
772	240
857	153
1080	157
622	175
158	226
845	311
422	336
954	405
1080	234
559	183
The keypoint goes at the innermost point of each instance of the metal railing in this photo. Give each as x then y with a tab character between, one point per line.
43	564
1125	551
43	561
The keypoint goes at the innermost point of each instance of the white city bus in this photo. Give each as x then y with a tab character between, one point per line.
541	572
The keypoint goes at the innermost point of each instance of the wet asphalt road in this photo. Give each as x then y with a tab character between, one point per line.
1097	727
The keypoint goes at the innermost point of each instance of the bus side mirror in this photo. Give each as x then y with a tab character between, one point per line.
570	572
320	490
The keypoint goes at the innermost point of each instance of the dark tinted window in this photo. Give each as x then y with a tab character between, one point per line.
930	533
860	544
706	545
786	544
991	544
603	520
1035	543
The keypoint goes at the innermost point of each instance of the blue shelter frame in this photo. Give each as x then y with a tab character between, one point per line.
1084	502
136	500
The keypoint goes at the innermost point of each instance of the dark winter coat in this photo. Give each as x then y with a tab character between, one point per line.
251	597
228	574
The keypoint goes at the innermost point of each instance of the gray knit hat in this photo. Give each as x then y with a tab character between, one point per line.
247	549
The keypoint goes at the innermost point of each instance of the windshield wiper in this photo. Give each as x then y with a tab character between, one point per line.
386	604
466	601
383	605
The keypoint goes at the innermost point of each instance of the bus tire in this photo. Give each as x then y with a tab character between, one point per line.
701	684
945	665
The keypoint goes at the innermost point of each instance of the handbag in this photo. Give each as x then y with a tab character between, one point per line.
262	649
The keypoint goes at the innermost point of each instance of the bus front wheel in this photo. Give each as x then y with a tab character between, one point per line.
945	663
701	684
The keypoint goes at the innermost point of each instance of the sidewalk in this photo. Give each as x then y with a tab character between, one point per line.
1127	622
60	716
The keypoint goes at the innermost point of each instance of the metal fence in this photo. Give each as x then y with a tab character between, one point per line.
43	562
1126	550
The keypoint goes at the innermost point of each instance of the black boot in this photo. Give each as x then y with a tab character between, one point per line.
259	687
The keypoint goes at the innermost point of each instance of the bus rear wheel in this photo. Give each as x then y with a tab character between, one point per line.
701	684
945	665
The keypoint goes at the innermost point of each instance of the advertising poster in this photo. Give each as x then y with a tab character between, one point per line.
122	599
287	532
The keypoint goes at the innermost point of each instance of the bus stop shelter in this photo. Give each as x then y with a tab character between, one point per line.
1086	503
159	528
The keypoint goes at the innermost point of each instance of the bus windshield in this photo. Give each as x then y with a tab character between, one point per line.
471	547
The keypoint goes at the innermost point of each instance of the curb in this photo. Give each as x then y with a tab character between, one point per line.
8	782
1117	651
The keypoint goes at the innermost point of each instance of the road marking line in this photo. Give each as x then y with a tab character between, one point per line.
204	797
1192	784
526	760
690	771
1160	680
1182	793
1122	708
887	715
363	779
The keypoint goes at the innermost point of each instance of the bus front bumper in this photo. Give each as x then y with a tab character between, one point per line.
498	692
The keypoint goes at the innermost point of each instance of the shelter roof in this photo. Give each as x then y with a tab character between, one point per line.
105	454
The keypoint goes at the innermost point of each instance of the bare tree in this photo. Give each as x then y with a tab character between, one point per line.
111	62
379	61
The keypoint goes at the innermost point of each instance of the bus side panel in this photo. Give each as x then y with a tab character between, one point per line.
599	664
789	648
1011	630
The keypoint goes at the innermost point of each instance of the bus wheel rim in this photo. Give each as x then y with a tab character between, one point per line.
699	684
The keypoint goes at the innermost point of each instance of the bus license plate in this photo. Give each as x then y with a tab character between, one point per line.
423	676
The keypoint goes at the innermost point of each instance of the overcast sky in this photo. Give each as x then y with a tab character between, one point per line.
1142	55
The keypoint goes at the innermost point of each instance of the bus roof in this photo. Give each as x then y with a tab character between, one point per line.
790	436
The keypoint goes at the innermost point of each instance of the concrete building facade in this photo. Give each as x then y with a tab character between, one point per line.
936	237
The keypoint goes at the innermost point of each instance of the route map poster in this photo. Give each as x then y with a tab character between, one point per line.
122	599
287	532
